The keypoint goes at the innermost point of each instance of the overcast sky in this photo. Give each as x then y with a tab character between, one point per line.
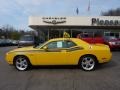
16	12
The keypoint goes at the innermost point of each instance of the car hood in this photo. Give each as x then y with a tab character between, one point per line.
23	49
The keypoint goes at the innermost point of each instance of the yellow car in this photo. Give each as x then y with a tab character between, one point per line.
60	51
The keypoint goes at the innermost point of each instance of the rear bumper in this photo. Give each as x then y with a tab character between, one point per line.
105	58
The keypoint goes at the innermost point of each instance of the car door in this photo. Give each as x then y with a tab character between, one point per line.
55	54
73	52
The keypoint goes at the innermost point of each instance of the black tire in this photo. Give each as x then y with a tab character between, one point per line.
22	63
88	63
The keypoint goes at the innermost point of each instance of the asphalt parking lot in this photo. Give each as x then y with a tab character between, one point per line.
105	77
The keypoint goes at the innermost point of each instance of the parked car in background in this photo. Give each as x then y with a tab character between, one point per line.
112	42
1	42
5	42
14	42
26	40
8	42
90	38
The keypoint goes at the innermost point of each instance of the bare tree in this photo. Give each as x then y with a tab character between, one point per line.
112	12
9	32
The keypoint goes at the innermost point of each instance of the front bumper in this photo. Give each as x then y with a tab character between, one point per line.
9	58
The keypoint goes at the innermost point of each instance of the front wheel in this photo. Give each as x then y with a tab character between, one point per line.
21	63
88	63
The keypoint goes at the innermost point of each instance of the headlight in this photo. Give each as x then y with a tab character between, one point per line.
112	43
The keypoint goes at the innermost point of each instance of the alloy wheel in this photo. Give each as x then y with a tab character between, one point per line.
88	63
21	63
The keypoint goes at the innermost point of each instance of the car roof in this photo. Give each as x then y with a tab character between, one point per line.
56	39
76	40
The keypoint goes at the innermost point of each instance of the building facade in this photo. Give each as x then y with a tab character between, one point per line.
52	27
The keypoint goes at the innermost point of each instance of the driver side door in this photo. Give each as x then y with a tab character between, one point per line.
54	54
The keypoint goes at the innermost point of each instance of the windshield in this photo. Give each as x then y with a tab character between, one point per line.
40	44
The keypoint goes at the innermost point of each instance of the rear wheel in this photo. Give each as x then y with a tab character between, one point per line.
21	63
88	63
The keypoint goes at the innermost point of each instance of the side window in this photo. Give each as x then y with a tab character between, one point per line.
52	45
70	44
60	44
55	44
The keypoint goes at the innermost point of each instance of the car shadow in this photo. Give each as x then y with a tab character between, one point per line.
56	67
76	67
108	65
115	50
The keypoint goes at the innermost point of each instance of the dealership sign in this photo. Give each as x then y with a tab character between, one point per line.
54	20
100	22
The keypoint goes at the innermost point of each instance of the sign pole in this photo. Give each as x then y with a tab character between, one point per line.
48	34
